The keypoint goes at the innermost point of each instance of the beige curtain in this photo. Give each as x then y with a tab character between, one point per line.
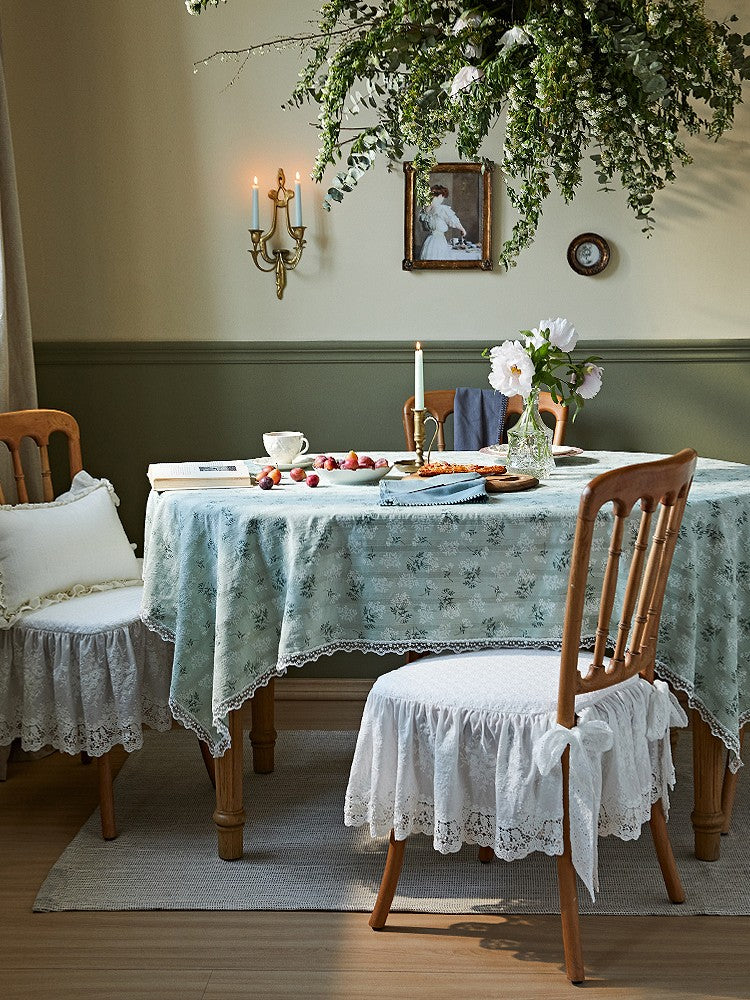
17	379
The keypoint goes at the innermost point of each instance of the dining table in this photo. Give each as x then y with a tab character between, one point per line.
249	583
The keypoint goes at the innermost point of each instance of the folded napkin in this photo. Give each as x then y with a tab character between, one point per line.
478	418
464	487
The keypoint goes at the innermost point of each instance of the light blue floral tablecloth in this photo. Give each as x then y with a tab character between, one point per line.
248	583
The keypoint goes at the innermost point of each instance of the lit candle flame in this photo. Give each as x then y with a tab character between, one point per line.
296	176
418	346
255	181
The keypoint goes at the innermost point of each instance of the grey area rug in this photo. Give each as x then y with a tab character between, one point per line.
300	856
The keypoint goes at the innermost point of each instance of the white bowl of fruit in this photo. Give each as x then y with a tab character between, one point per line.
351	470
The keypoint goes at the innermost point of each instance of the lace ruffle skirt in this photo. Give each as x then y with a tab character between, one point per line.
84	675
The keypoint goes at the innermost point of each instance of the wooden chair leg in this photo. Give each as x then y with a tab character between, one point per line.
729	790
658	827
388	883
208	760
486	854
106	796
566	880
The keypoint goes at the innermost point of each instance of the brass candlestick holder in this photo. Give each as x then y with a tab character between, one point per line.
419	419
282	260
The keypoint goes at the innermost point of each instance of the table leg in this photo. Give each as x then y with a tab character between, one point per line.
263	734
229	815
708	772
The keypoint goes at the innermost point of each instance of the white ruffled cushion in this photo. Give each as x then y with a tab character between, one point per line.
84	675
446	747
50	552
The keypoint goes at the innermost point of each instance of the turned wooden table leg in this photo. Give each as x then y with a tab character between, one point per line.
729	790
708	772
229	815
263	734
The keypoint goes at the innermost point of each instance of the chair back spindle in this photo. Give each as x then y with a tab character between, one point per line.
660	486
38	426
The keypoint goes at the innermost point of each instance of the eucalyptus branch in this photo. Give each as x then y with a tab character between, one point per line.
275	45
628	80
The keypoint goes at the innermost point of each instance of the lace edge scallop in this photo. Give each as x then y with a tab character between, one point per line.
730	740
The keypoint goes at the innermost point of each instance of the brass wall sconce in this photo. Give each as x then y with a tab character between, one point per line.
282	260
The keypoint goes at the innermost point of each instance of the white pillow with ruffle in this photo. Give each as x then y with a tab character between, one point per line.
75	545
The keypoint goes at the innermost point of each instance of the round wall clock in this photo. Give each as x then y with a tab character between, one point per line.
588	253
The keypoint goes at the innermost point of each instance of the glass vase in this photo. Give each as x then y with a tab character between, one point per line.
530	442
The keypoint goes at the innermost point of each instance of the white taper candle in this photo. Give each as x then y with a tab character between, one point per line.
418	377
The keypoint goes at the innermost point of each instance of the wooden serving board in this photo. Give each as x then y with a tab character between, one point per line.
509	482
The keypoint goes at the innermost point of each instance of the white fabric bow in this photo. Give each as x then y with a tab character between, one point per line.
587	740
664	710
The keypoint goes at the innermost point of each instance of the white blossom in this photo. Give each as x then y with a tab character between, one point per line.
465	77
471	51
562	333
535	339
592	382
512	369
513	36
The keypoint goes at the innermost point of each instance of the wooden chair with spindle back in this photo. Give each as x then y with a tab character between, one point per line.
483	691
440	403
105	611
38	425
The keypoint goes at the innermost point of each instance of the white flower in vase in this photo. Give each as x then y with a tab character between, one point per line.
562	333
512	369
592	381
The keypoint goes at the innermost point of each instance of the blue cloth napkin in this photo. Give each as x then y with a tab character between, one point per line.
464	487
478	418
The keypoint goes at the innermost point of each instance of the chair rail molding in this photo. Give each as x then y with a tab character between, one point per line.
169	352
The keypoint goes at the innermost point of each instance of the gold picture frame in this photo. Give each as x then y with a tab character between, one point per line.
437	236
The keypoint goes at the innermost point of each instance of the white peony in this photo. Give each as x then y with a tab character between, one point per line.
465	77
512	369
535	339
514	36
592	382
562	333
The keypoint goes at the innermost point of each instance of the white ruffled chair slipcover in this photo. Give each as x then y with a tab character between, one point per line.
466	749
84	675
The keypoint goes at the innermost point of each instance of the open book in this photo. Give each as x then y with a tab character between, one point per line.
199	475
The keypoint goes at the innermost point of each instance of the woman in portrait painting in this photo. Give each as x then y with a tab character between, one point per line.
437	219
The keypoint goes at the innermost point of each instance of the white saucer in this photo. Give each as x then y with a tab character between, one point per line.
300	462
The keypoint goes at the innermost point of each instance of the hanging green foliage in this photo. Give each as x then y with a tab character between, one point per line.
620	81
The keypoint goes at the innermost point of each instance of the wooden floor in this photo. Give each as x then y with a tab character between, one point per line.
192	955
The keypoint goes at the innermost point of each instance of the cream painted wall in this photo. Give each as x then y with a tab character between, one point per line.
134	178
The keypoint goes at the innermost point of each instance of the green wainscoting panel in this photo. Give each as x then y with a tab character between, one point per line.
138	403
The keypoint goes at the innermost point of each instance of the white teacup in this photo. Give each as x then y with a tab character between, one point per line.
284	446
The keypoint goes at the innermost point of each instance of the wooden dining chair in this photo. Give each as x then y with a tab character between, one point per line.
440	403
128	691
465	746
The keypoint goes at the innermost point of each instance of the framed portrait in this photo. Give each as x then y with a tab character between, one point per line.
452	233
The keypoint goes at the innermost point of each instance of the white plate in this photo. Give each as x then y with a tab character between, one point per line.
352	477
558	450
300	462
